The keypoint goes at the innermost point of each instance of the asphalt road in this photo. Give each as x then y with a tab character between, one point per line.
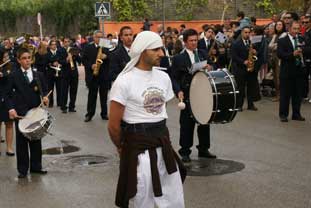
276	156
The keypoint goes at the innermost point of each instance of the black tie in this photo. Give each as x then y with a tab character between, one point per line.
247	43
26	77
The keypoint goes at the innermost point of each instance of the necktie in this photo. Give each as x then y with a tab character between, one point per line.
26	77
207	43
247	43
295	43
196	56
298	61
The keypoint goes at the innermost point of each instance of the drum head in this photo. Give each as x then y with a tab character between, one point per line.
201	97
34	119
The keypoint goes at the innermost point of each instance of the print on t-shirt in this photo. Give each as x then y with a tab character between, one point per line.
154	100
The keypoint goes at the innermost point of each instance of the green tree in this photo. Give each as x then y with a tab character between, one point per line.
123	9
129	10
275	6
186	8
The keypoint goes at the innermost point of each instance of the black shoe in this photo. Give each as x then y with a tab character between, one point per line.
298	118
10	154
105	117
72	110
41	172
20	175
185	158
87	118
252	108
64	111
283	119
207	154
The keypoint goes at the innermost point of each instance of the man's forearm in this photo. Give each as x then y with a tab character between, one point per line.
115	135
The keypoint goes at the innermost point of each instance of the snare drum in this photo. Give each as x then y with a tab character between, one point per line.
213	96
36	124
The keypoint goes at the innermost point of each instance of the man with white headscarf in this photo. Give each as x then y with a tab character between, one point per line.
150	170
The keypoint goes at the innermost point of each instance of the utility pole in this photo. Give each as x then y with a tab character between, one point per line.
163	12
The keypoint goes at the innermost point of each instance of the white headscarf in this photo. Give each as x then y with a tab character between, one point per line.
144	40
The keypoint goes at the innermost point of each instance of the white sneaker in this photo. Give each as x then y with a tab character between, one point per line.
310	101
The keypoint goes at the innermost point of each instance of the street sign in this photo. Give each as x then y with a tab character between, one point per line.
39	18
102	9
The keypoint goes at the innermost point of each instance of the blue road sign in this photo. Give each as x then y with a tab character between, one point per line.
102	9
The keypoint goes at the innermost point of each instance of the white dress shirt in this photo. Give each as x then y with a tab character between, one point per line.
247	42
207	42
191	55
127	50
29	73
53	52
292	40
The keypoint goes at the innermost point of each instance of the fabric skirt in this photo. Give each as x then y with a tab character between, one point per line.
4	114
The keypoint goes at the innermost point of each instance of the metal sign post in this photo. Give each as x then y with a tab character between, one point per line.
39	20
102	10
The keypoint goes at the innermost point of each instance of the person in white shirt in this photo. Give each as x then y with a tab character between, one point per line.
149	174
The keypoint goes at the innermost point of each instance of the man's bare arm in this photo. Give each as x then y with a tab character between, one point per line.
115	116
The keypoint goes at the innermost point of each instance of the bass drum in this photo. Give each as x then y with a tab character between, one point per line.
213	96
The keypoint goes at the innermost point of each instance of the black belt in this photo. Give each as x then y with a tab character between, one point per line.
143	127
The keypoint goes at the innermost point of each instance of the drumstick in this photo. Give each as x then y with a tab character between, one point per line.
181	105
49	93
45	96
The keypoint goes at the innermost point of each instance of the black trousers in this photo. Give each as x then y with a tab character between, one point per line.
23	148
248	83
69	85
94	87
187	125
52	82
291	89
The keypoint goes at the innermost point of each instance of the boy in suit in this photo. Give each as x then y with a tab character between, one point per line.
25	88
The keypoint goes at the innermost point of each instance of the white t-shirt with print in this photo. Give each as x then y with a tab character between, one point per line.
144	95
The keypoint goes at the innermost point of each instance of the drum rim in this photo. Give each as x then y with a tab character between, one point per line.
48	119
215	96
193	116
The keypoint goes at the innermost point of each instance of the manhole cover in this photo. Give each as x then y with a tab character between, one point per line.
60	150
86	160
208	167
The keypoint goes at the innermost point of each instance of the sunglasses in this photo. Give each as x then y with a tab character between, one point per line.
305	22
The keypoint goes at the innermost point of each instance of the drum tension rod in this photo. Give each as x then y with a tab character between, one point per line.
231	92
226	77
216	93
233	109
217	111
